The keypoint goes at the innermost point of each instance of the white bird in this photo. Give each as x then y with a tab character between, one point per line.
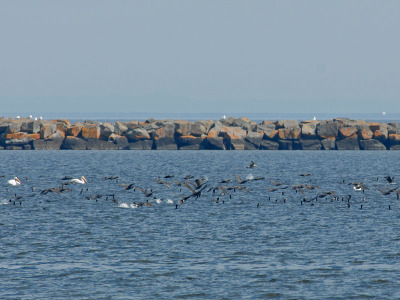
14	181
224	117
35	118
30	116
17	117
82	180
315	118
40	118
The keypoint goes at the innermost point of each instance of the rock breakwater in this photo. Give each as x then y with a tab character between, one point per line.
224	134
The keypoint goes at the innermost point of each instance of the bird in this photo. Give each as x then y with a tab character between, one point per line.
240	180
127	187
82	180
252	165
389	179
14	182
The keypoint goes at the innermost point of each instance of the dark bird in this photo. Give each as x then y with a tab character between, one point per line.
147	194
240	180
159	181
305	174
168	176
276	183
128	187
252	165
111	177
389	179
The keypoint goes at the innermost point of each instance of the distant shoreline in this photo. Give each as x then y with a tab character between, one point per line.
229	133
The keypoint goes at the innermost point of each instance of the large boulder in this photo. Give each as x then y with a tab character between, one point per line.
328	144
287	124
364	133
30	126
106	129
46	145
74	130
269	145
121	142
95	144
47	129
310	144
327	130
394	139
74	143
371	145
120	128
140	145
285	145
215	142
137	134
308	131
346	132
58	136
254	138
13	127
90	131
381	135
228	121
241	122
348	144
197	129
293	133
164	137
182	127
189	140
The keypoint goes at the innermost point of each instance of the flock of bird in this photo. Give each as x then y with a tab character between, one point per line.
177	192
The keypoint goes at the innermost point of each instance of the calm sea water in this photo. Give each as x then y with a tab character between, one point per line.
247	246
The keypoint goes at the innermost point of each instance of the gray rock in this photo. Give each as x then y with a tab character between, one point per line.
187	141
122	142
287	124
18	142
311	144
46	145
120	128
166	143
250	146
217	126
13	128
329	144
348	144
327	130
74	143
240	122
27	147
95	144
106	129
140	145
371	145
151	120
30	127
57	136
183	128
14	148
285	145
92	122
215	143
308	131
137	134
269	145
197	129
235	144
254	138
394	147
192	147
228	121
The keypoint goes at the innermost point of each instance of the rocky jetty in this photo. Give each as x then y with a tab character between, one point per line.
225	134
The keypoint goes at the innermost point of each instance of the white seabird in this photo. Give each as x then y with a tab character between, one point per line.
82	180
14	181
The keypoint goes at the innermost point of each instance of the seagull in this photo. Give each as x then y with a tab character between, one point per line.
82	180
14	182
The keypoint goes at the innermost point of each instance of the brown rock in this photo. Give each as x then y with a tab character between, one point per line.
346	132
90	131
381	135
364	133
34	136
168	131
290	133
16	136
182	127
394	139
57	136
74	130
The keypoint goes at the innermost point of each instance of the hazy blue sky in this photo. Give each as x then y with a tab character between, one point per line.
200	56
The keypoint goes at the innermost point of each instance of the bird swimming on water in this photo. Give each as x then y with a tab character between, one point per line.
14	182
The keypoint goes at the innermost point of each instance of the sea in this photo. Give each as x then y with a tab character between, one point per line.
259	239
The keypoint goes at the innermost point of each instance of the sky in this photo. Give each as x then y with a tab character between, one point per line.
200	56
